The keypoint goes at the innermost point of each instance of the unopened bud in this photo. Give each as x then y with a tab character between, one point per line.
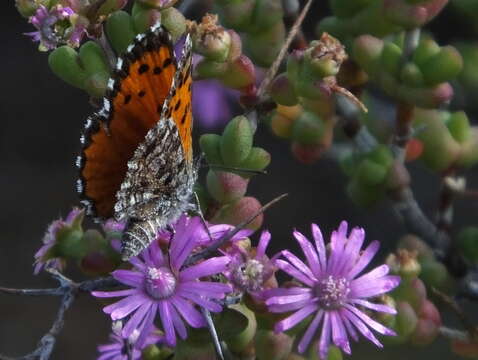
325	56
210	39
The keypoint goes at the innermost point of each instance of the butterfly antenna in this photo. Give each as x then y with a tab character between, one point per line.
201	215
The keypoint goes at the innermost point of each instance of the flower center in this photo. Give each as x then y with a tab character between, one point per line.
160	282
249	276
333	292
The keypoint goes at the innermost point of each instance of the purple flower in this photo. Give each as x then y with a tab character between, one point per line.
119	346
331	292
55	27
48	256
250	270
161	285
211	103
114	231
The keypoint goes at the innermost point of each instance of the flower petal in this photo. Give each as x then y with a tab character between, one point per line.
188	312
309	252
292	271
206	268
178	323
351	252
364	259
364	330
135	319
324	341
339	335
295	318
310	332
125	306
201	301
206	288
128	277
294	260
377	307
263	243
370	322
183	243
167	321
108	294
319	244
373	288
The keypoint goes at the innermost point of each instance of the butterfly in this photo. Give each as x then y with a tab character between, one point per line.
136	162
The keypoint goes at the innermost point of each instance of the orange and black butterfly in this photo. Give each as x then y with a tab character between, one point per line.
136	163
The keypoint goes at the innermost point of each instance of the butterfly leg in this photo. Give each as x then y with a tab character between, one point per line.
197	209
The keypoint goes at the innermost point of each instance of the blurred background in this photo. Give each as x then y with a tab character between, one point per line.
41	119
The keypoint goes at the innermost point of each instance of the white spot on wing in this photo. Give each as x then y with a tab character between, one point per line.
140	37
130	48
106	104
79	186
111	84
119	64
82	139
79	160
88	123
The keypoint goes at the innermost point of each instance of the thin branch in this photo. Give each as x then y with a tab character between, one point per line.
275	66
229	235
454	334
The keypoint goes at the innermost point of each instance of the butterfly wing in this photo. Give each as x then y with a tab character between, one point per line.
161	174
132	106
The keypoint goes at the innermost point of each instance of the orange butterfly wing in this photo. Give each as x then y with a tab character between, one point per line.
132	106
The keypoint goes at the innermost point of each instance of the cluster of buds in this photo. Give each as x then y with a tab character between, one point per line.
222	56
305	98
421	80
378	18
468	78
448	134
372	174
417	320
226	155
260	23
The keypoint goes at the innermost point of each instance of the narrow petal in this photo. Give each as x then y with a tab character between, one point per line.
295	318
206	288
206	268
294	260
210	305
364	330
188	312
370	322
324	342
147	325
309	252
178	323
376	307
350	329
280	308
378	272
337	245
128	277
339	335
167	321
125	306
364	259
375	287
292	271
285	291
319	244
157	256
108	294
188	243
135	320
263	243
277	300
351	252
310	332
137	263
146	255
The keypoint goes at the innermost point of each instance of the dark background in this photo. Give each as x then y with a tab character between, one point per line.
41	118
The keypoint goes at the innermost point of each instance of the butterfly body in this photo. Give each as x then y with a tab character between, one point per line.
136	164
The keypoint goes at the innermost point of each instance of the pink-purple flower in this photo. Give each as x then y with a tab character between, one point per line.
49	255
161	285
332	292
250	270
54	27
120	347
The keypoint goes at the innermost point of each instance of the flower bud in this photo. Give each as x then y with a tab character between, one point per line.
65	63
367	52
240	211
98	264
96	68
258	159
398	176
270	345
236	141
324	57
413	150
307	153
120	31
411	16
282	91
173	20
240	73
364	196
391	58
412	242
411	75
210	146
144	17
236	14
370	173
406	319
459	126
386	319
469	155
404	264
226	187
426	49
308	129
26	8
465	349
263	47
425	332
443	66
211	40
